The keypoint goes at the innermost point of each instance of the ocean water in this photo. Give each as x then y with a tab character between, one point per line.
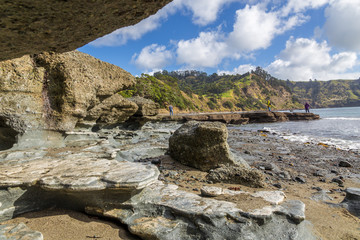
339	127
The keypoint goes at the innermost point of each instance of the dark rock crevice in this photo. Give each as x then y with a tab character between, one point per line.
8	136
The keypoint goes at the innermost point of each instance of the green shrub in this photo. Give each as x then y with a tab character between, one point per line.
228	105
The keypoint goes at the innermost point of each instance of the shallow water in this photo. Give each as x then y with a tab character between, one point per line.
339	127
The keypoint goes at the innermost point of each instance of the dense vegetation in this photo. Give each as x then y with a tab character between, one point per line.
334	93
197	91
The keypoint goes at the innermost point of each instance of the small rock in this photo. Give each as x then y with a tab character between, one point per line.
277	185
320	196
247	152
345	164
284	175
300	179
211	191
156	161
317	188
320	173
273	197
337	180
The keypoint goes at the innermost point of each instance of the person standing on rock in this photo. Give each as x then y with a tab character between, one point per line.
269	105
307	107
171	110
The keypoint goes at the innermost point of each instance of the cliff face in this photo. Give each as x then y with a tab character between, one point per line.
58	91
33	26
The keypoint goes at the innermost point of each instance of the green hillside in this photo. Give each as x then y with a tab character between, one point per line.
196	91
334	93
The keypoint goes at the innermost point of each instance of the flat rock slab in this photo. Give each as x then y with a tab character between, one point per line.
272	197
164	212
18	231
77	174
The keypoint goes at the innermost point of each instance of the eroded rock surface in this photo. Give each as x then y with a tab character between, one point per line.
203	146
61	91
87	172
237	175
29	27
163	212
19	231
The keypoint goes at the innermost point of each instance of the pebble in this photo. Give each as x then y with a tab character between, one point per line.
277	185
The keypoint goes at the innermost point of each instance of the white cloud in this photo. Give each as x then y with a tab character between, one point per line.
241	69
208	50
303	59
254	29
204	11
152	57
342	24
296	6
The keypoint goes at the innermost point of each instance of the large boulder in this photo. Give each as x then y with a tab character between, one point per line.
202	145
59	91
33	26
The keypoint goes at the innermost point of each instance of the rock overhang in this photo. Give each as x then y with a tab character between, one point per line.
29	27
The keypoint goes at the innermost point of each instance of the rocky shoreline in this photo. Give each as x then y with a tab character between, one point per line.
241	117
101	173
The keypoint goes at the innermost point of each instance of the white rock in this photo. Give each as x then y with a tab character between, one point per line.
207	191
273	197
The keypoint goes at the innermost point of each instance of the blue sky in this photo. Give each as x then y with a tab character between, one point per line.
294	39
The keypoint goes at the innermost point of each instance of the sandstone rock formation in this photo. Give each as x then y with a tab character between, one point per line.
147	107
29	27
147	111
60	91
203	146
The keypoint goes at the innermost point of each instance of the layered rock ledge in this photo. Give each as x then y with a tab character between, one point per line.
242	117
